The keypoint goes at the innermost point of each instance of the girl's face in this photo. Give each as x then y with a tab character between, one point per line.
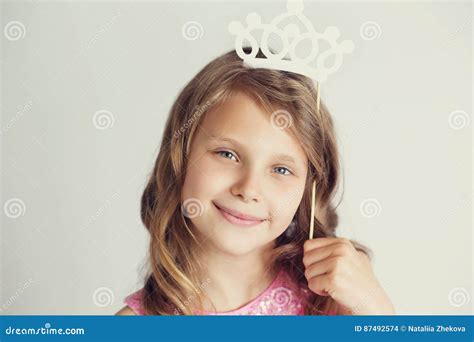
241	161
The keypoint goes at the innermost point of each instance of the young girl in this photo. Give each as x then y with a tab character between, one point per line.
228	204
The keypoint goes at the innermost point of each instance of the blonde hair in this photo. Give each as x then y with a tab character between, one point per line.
173	281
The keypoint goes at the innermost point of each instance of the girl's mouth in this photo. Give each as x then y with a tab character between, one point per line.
237	220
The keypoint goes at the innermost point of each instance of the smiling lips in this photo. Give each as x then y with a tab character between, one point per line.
238	218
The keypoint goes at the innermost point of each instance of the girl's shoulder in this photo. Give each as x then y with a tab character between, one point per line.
126	311
134	303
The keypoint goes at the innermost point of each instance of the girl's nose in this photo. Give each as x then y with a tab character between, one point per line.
248	186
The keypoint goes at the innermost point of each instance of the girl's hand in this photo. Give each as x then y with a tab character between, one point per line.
333	267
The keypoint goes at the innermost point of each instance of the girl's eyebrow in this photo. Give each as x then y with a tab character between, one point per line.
230	140
285	157
279	156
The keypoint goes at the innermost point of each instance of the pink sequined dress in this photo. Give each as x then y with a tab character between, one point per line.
281	297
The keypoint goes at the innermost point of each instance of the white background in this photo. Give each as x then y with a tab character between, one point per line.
79	247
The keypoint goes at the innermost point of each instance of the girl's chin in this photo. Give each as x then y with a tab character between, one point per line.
234	247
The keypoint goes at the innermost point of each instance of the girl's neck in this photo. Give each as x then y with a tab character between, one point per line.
233	281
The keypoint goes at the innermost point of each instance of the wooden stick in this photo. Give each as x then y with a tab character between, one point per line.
313	191
318	98
313	206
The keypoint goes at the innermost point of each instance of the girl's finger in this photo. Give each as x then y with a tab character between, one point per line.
321	242
321	253
321	267
322	285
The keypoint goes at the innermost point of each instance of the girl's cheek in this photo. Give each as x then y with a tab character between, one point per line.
285	200
204	178
212	167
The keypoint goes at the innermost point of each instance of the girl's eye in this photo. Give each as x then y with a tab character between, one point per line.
229	155
226	154
283	168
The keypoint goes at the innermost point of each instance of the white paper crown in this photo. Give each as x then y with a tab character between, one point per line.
312	65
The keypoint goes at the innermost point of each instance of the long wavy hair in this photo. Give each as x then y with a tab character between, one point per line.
171	284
